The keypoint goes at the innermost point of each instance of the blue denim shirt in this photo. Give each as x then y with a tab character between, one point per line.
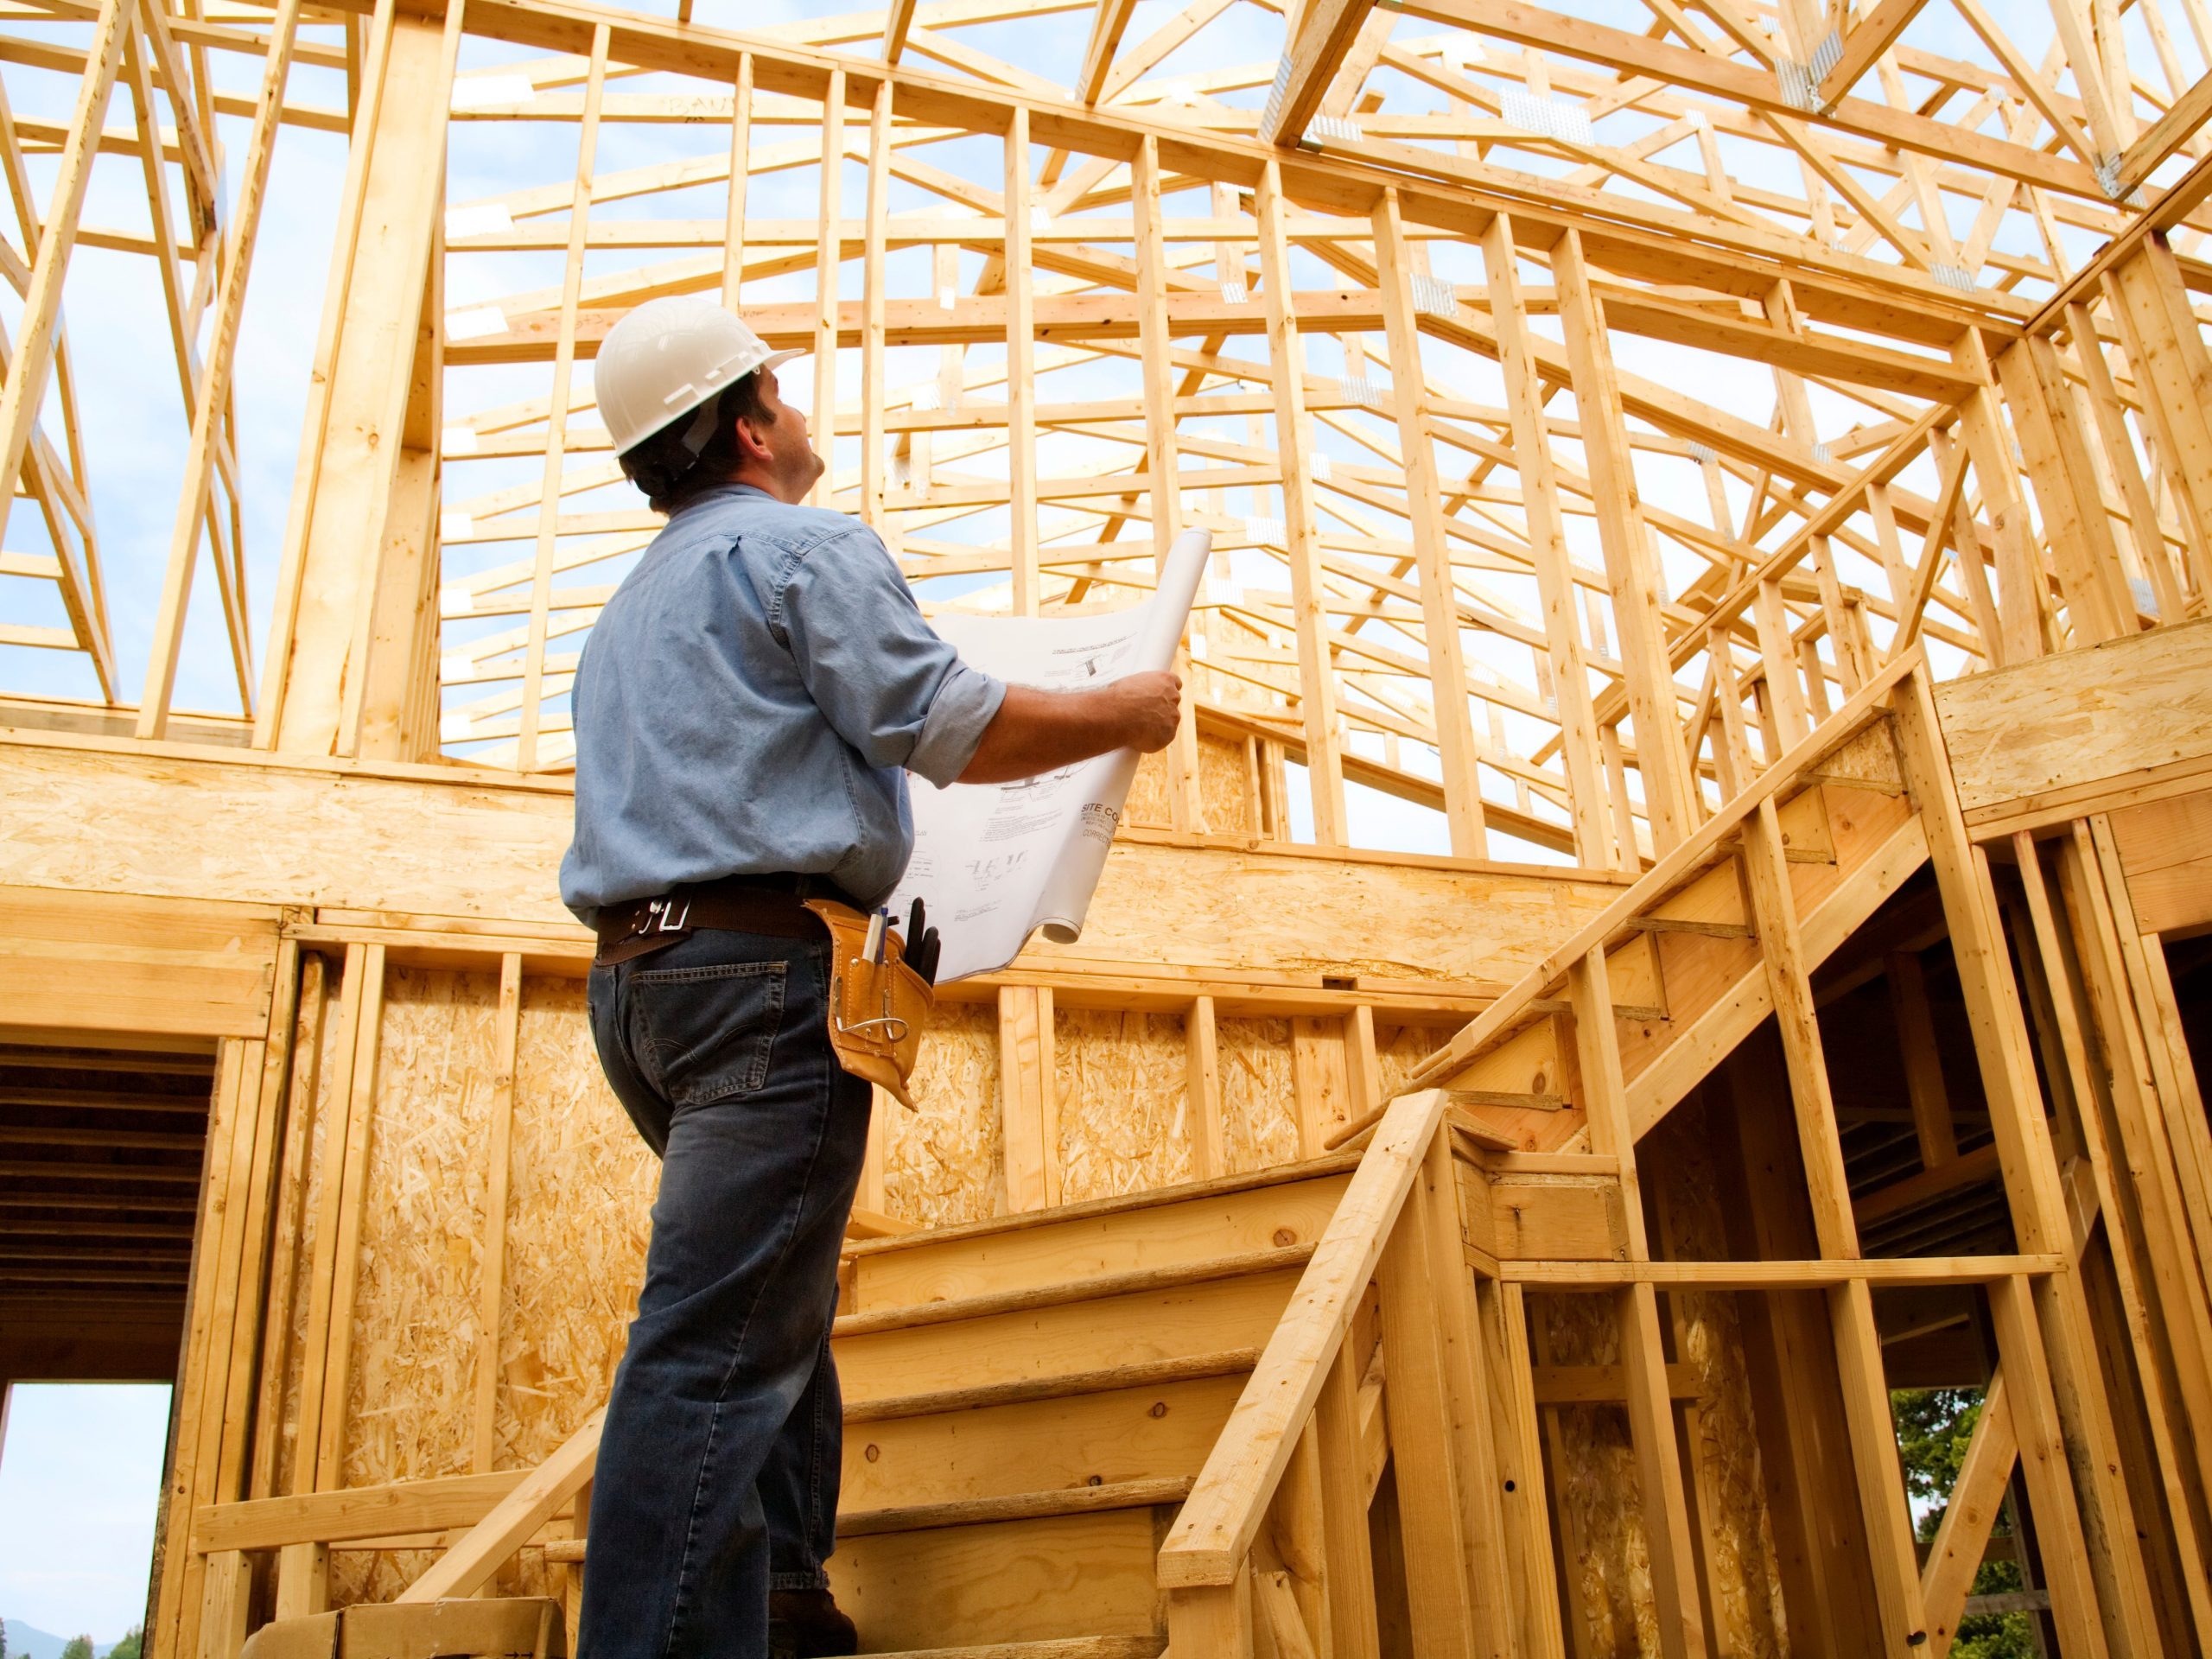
751	701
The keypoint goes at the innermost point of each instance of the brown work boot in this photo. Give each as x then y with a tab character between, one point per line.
806	1625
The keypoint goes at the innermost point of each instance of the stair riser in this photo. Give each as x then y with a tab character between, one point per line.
1072	1337
1038	1446
1086	1247
1013	1581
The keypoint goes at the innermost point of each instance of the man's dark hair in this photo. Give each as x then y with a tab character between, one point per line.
677	465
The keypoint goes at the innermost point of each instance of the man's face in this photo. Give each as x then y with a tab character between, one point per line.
791	462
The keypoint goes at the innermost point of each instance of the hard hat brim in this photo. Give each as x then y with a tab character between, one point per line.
777	359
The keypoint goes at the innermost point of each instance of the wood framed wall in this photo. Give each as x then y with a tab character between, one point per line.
1572	480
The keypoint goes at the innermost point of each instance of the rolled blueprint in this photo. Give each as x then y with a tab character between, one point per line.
996	862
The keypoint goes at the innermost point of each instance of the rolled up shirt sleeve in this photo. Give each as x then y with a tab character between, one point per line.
881	677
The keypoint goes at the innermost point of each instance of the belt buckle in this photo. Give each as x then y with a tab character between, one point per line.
661	916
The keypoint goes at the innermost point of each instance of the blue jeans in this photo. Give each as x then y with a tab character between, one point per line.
718	1467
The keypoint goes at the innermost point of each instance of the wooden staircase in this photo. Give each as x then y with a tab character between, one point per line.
1028	1401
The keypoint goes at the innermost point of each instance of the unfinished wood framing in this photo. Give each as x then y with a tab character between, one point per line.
1675	909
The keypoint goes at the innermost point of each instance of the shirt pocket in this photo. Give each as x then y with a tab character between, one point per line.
703	1034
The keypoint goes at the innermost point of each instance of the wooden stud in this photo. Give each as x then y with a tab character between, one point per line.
499	1155
1634	574
1021	372
1293	439
1425	512
828	262
556	429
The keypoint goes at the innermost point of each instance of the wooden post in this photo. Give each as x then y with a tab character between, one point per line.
2030	1171
556	420
1417	1397
1316	686
1630	568
1021	373
354	442
1440	596
1025	1083
1162	458
875	382
1851	1306
1209	1150
490	1296
1650	1408
740	173
1350	1569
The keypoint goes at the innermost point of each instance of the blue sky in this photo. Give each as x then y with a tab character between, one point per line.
80	1473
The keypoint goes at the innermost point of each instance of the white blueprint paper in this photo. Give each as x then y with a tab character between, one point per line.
995	862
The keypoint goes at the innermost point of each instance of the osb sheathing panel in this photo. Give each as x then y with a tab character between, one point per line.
1742	1570
1147	803
1258	1104
945	1163
581	1182
1124	1102
1592	1463
578	1217
1224	792
1399	1050
1607	1570
417	1291
1226	785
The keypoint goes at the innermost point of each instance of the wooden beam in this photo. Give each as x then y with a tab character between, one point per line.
1871	37
1323	31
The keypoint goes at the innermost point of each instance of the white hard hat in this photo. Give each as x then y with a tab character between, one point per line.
668	357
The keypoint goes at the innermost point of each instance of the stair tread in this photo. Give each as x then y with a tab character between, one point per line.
906	1316
1065	1647
975	1512
1148	1373
1018	1506
1277	1175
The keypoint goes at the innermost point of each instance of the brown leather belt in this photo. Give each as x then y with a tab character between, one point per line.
774	905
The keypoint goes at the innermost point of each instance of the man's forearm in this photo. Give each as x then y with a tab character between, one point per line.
1038	731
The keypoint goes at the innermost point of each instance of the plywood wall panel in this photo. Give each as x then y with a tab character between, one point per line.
1743	1569
416	1296
1258	1104
945	1163
1224	785
1124	1102
579	1214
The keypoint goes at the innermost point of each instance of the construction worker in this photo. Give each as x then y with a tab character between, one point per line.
746	709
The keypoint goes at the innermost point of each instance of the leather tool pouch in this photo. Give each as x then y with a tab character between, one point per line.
878	1011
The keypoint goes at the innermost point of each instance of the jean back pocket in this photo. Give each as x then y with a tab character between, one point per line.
703	1034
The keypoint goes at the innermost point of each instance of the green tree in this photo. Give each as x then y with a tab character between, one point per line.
78	1647
1935	1427
133	1643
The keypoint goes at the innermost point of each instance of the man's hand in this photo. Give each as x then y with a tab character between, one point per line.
1151	705
1038	731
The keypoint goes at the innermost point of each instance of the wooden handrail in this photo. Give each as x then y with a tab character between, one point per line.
1223	1514
489	1546
1689	859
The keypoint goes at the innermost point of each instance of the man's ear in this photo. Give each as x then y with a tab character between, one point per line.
752	442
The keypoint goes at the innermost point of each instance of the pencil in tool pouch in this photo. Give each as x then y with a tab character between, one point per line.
878	1010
